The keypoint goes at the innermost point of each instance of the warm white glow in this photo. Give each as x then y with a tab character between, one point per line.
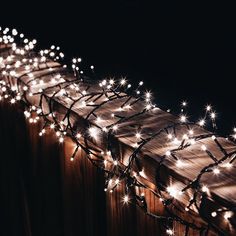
169	136
228	165
216	171
172	191
93	132
213	214
184	103
168	153
170	232
115	127
148	94
205	189
126	199
148	106
208	107
191	132
183	118
202	122
179	163
123	82
192	141
213	115
228	214
61	139
138	135
203	147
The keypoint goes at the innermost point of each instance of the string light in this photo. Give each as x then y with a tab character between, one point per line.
170	232
109	90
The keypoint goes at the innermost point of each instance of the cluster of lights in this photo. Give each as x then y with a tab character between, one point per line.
108	90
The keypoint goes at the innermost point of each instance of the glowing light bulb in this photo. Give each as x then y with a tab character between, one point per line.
228	165
183	118
13	100
184	103
208	107
126	199
216	171
228	214
61	139
111	81
123	82
179	163
170	232
148	106
202	122
205	189
168	153
115	127
172	191
191	132
213	137
115	163
138	135
93	132
148	94
213	115
213	214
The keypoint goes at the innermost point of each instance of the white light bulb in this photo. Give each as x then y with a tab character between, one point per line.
228	165
168	153
172	191
93	131
228	214
126	199
61	139
216	171
179	163
208	107
183	118
169	232
213	115
205	189
123	81
213	214
202	122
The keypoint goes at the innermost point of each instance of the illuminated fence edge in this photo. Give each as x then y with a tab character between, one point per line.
43	84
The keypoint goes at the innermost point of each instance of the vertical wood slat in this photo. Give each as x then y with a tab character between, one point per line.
64	197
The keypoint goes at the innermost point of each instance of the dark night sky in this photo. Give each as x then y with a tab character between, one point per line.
180	51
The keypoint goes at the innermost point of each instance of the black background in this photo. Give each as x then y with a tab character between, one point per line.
181	51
